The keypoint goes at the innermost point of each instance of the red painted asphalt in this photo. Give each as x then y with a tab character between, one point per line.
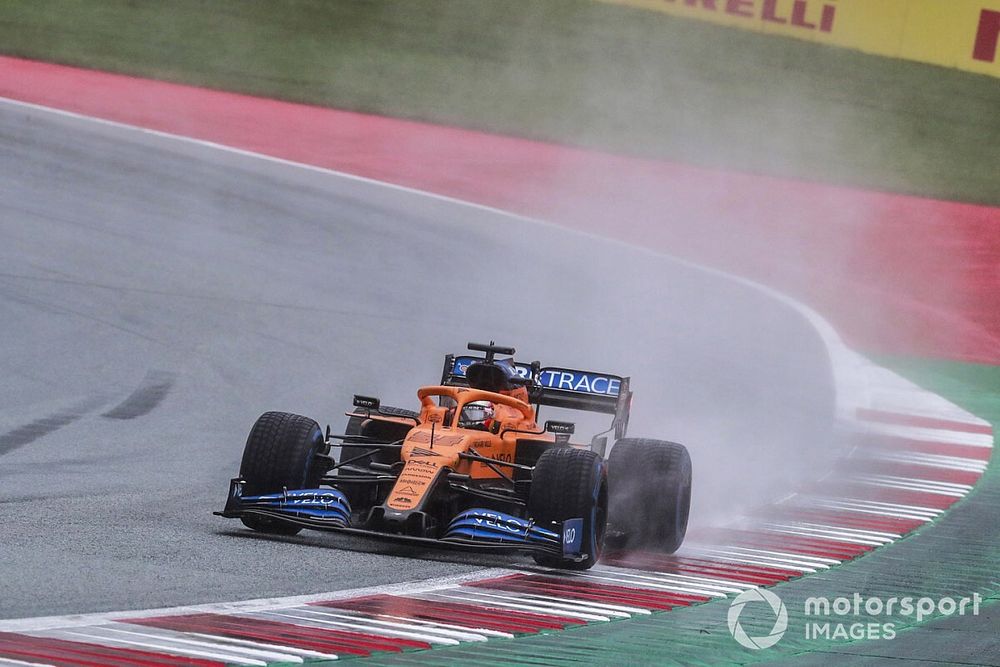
587	591
60	652
920	421
894	273
503	620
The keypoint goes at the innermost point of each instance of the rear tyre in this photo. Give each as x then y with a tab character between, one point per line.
570	483
283	451
650	484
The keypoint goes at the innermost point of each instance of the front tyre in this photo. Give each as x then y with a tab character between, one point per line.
570	483
283	451
650	482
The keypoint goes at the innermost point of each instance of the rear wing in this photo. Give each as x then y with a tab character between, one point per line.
558	387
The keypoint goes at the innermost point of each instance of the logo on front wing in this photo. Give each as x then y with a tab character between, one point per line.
508	523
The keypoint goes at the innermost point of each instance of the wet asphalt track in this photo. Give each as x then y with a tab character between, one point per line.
156	296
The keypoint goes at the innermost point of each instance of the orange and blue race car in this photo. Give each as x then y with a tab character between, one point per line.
473	469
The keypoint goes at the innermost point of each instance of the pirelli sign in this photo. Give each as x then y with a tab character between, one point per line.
964	34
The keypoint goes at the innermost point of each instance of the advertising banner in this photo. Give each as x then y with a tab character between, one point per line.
953	33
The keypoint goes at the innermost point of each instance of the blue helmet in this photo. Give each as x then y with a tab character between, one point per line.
491	375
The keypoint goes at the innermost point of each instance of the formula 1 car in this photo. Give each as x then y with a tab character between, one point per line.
472	469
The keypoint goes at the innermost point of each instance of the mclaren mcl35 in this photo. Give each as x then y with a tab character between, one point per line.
472	468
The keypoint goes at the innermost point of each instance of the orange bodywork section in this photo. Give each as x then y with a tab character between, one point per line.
433	447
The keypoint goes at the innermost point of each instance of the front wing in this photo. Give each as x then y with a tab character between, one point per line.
474	529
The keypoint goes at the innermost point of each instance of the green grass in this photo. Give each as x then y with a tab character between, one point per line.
975	387
569	71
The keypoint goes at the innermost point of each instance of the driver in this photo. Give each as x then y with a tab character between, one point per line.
477	415
500	377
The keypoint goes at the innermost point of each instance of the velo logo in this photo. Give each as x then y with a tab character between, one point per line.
780	622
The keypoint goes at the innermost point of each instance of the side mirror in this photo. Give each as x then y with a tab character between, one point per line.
366	402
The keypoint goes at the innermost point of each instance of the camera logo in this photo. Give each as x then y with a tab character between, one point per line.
780	622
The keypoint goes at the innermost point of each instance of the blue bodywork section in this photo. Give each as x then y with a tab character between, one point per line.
326	505
477	528
562	379
572	537
580	382
462	364
491	526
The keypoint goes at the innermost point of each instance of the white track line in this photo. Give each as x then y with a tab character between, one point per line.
923	434
263	652
89	635
727	558
919	482
927	460
305	653
277	160
838	530
660	581
513	602
776	559
906	417
317	618
605	608
570	604
808	559
876	512
485	632
908	486
833	538
848	503
666	585
41	623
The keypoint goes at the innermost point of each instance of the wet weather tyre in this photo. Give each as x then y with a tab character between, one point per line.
569	483
283	451
650	494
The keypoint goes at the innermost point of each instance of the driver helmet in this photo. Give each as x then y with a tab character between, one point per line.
476	414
